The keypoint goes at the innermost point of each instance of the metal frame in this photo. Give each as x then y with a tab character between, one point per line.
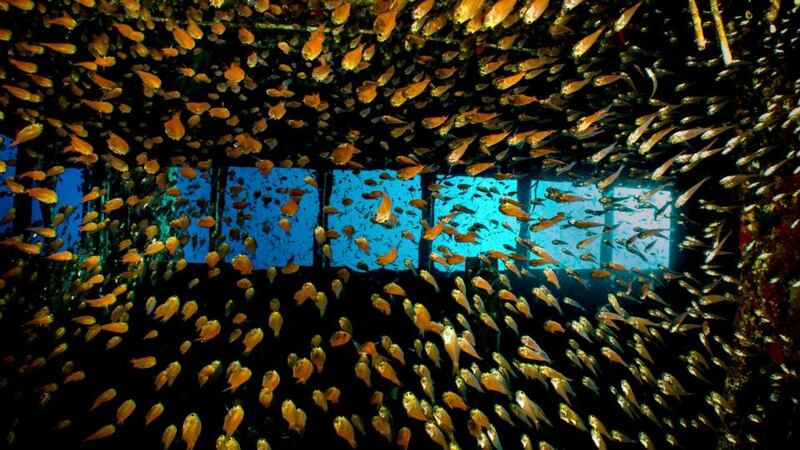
325	178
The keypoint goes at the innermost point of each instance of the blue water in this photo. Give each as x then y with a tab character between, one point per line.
561	239
7	154
482	196
263	197
643	216
478	198
195	202
69	189
381	237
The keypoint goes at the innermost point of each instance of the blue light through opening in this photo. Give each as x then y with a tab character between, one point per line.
642	240
195	202
69	189
477	201
582	220
7	155
69	186
252	208
351	186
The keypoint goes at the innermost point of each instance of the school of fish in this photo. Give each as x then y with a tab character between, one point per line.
121	343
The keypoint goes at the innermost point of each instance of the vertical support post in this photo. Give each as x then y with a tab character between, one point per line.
606	250
675	237
325	182
22	203
524	197
103	238
219	181
428	213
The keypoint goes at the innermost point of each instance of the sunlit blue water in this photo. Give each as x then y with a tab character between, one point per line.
262	197
638	217
7	154
195	202
356	196
561	239
481	196
69	189
381	237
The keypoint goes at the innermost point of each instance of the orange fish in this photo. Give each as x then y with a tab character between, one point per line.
24	66
36	175
475	169
459	148
174	128
128	32
313	46
65	21
344	429
232	420
466	10
44	195
343	153
586	43
183	38
341	13
65	48
103	432
23	94
498	13
146	362
385	23
190	431
384	212
99	106
352	59
234	74
28	133
388	258
149	80
512	210
25	5
278	111
117	144
61	256
246	36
